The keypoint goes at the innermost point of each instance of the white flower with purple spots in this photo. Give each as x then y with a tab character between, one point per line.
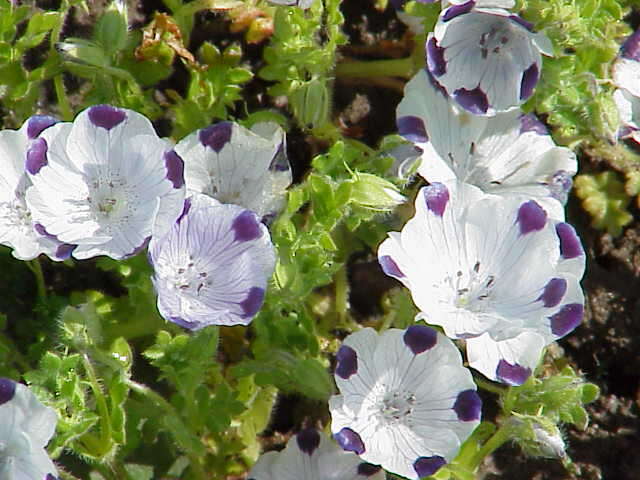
25	429
235	165
509	153
406	402
311	455
487	59
212	266
17	229
100	181
626	76
495	271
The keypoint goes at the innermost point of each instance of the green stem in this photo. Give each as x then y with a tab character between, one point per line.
342	293
497	439
400	67
490	387
101	403
63	102
36	268
170	411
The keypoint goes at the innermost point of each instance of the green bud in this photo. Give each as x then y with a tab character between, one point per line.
373	192
310	103
112	28
538	436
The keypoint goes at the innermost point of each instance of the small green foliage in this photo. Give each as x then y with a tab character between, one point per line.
603	195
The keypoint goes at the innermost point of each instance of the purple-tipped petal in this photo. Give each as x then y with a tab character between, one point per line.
456	10
531	217
37	123
280	163
420	338
425	466
139	248
631	47
253	302
413	129
568	318
522	22
468	406
390	267
64	251
185	209
474	101
106	116
308	440
7	390
530	123
50	476
529	80
570	246
368	470
513	375
436	196
184	323
38	227
36	156
346	362
216	136
350	441
246	227
553	292
436	63
175	168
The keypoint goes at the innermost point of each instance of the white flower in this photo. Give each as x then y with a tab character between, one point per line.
311	455
99	182
406	402
235	165
487	59
493	270
17	229
212	266
25	429
509	153
626	76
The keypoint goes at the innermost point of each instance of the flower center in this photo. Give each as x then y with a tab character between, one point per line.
473	292
15	213
107	197
188	278
396	406
497	41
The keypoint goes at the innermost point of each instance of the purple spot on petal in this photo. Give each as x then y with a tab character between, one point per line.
529	80
349	441
570	246
412	128
456	10
531	217
106	116
522	22
185	209
64	251
553	292
568	318
246	227
631	47
530	123
7	390
425	466
308	440
436	197
216	136
435	58
420	338
253	302
346	362
175	168
367	470
185	324
38	227
36	156
474	101
139	248
390	267
280	163
436	84
37	123
468	406
50	476
512	374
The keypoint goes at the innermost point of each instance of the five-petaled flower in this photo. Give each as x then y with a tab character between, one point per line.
509	153
25	430
487	59
493	270
17	229
212	265
100	181
235	165
311	455
406	402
